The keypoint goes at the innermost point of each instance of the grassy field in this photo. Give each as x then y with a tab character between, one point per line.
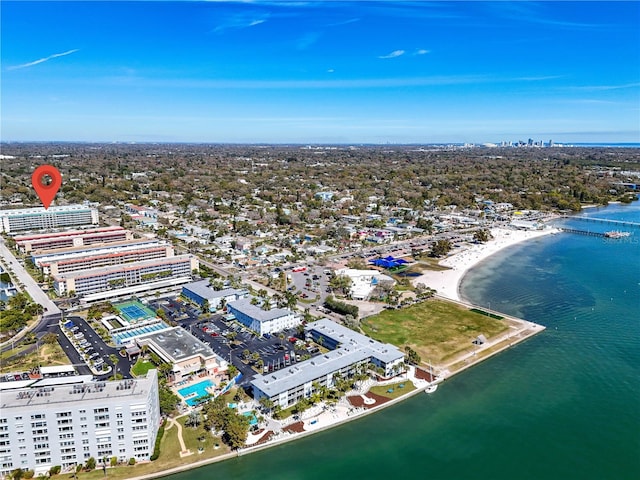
438	330
383	390
50	354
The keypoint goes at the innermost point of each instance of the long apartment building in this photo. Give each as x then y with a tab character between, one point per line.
39	218
76	259
65	421
71	239
117	278
351	351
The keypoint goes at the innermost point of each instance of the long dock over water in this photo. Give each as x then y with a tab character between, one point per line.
619	223
583	232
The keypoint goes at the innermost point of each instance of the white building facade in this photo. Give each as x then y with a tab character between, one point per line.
351	353
262	321
363	282
55	422
118	277
43	219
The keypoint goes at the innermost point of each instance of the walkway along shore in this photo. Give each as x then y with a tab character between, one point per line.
527	329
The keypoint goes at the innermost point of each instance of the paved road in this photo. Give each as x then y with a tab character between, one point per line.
32	288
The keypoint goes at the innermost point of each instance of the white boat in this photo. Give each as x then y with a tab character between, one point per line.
431	388
616	234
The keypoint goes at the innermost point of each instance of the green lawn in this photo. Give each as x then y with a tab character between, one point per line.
438	330
141	367
50	354
169	455
383	390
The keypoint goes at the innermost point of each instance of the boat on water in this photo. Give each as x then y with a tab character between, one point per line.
616	234
433	386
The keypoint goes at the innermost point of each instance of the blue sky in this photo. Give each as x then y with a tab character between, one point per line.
320	72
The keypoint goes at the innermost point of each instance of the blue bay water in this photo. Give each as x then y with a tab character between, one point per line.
564	404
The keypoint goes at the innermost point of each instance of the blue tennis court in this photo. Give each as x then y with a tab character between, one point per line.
134	311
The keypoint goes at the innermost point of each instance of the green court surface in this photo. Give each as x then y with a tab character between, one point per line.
133	311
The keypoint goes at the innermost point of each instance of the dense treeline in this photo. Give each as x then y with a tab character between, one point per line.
341	307
200	175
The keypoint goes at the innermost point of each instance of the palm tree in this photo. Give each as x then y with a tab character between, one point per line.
266	304
266	403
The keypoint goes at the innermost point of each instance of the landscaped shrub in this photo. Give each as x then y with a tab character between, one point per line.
156	447
54	470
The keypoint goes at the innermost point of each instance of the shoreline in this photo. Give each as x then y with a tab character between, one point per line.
460	263
493	347
447	282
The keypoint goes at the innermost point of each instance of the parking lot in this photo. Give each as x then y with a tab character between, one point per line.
84	346
310	284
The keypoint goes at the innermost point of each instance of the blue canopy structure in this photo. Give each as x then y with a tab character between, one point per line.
388	262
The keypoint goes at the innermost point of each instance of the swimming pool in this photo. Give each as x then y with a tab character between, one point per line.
252	418
192	393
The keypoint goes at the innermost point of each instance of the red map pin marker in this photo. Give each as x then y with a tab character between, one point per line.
46	181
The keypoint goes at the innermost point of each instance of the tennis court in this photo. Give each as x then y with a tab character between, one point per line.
134	311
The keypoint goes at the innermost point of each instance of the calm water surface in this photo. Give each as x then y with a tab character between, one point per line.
565	404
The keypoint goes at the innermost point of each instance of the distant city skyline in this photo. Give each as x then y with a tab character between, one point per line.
320	72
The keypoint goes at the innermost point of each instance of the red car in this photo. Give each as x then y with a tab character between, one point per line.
293	339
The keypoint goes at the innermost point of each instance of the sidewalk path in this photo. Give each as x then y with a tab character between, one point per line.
183	449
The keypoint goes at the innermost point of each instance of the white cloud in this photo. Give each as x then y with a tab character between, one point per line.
394	54
422	51
239	21
595	88
42	60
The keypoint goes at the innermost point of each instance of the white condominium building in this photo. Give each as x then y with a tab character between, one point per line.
351	352
118	277
73	260
40	218
71	238
55	421
262	321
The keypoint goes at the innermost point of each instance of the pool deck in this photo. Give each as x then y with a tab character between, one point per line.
195	379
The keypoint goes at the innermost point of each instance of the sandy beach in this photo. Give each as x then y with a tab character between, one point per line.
447	282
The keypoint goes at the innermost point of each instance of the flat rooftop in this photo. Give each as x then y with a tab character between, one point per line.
304	372
45	257
347	337
67	233
244	306
94	272
203	290
31	398
178	344
353	347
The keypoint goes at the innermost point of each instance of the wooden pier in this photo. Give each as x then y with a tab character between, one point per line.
583	232
618	223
